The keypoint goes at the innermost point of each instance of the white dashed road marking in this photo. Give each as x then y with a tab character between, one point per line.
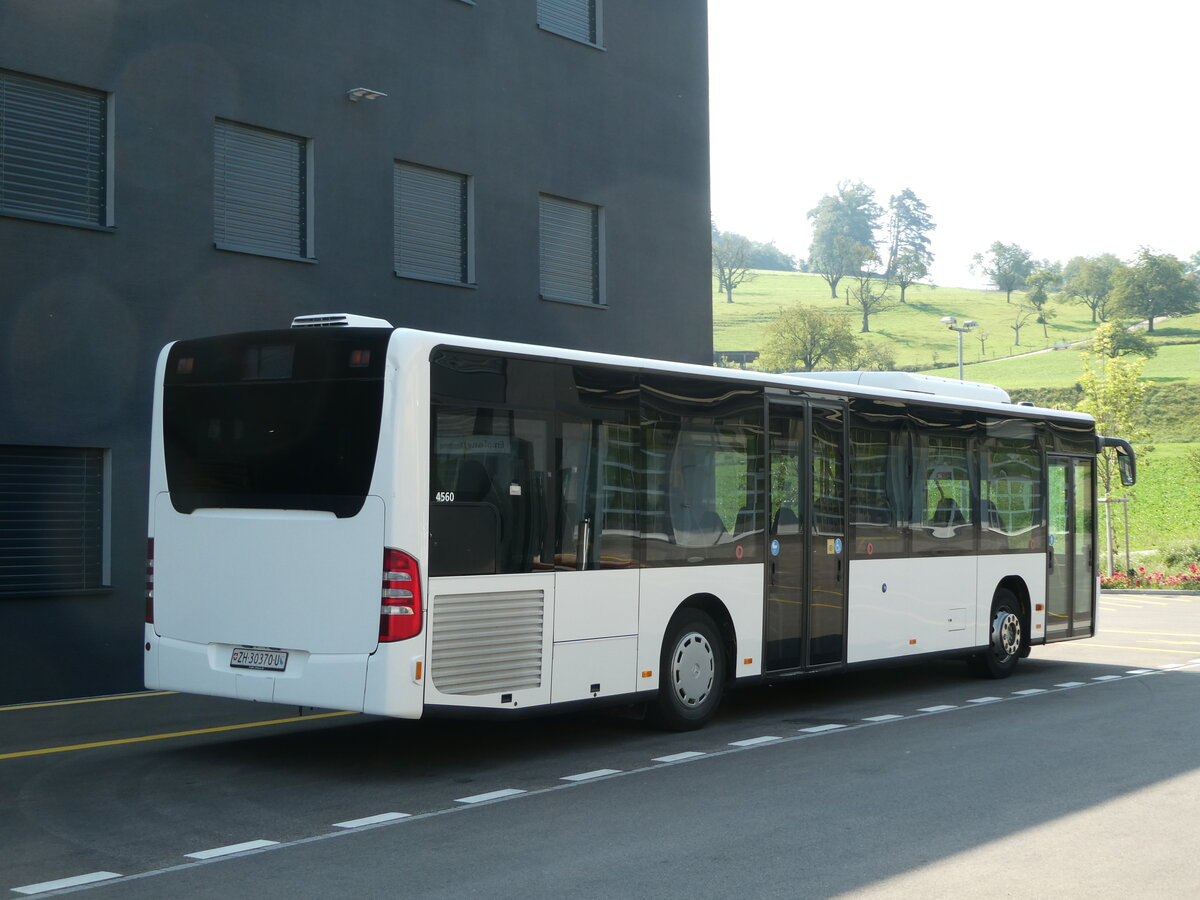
232	848
371	820
43	887
679	757
750	742
587	776
818	729
493	795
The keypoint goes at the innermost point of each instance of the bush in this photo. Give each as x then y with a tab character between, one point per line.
1139	578
1182	555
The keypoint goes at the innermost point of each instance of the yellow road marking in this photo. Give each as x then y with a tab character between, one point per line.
1163	633
87	700
174	734
1083	646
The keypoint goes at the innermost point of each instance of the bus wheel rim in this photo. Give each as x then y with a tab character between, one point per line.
1007	633
692	668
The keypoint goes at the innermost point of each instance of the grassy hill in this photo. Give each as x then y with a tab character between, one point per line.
913	330
1166	507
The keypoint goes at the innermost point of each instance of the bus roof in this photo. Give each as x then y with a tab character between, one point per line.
906	387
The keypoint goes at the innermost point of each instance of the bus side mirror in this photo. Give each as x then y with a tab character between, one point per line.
1126	462
1126	465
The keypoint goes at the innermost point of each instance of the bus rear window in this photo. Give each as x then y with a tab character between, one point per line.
274	420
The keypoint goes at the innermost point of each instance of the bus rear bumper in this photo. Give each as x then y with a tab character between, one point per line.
327	681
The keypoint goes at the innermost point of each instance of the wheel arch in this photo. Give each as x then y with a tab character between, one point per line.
716	610
1016	585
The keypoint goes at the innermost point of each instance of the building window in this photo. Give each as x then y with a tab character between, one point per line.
572	237
53	151
432	224
576	19
52	520
261	192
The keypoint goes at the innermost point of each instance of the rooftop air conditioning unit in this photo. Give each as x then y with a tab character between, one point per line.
339	320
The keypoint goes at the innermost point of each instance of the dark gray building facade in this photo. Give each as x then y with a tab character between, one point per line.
536	171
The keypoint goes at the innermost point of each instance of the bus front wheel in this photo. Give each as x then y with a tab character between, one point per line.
1005	638
691	673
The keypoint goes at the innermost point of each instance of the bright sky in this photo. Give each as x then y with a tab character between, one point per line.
1070	128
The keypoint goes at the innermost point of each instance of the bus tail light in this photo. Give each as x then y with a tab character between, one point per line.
149	581
400	600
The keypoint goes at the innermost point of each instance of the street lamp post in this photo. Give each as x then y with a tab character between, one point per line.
952	323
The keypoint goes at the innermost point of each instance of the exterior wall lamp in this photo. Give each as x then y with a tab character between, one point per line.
362	93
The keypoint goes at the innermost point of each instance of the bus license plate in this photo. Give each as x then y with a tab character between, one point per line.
250	658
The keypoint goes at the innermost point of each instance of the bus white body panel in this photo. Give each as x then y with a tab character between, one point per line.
306	583
907	607
596	604
515	641
739	588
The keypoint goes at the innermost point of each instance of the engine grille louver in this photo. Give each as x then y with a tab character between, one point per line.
487	643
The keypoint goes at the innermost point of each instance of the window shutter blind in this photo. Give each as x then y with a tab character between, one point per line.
569	250
571	18
51	519
260	194
53	149
430	216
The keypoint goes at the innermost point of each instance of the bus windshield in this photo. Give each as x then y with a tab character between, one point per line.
274	420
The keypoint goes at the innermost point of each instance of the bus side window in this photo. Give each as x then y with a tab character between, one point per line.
489	466
944	473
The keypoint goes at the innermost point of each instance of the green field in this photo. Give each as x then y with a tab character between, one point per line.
1166	501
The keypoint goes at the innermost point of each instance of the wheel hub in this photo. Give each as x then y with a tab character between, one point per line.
1006	633
693	668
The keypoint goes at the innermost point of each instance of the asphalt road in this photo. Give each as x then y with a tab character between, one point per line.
1076	777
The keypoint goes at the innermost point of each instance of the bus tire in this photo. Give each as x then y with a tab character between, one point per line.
691	675
1006	637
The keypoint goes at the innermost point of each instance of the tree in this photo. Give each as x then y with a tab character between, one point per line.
1155	285
1113	393
1040	283
1129	342
1006	266
909	268
871	293
768	256
844	226
872	357
1193	264
730	261
908	227
982	336
1024	313
804	338
1089	281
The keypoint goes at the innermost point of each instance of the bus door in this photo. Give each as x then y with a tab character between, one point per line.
806	569
1071	556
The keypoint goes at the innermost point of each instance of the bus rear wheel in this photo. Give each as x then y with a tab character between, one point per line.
691	674
1005	639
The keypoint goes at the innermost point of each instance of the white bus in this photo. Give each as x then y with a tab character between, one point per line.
353	516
